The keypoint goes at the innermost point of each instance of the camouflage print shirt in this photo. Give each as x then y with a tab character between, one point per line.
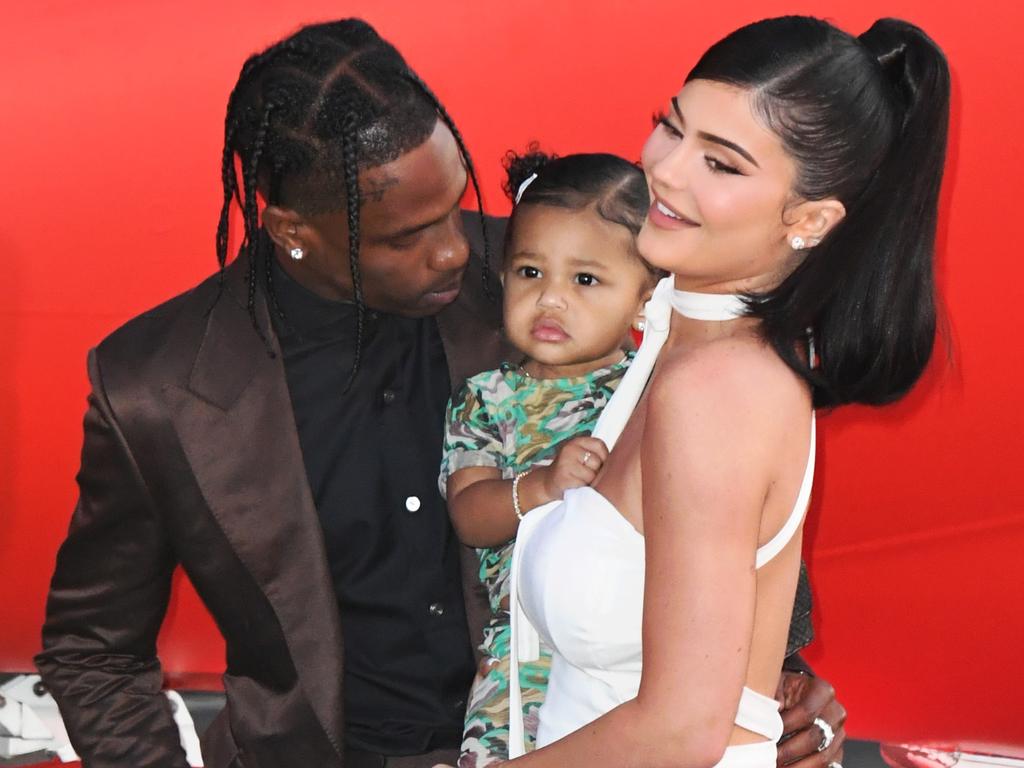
508	420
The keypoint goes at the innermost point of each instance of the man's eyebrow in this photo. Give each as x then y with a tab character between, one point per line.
413	229
716	139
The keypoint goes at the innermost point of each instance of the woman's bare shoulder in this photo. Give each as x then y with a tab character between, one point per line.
738	376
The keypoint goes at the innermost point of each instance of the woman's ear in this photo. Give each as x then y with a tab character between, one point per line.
811	220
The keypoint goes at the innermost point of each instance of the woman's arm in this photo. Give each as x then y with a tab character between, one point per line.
708	454
480	502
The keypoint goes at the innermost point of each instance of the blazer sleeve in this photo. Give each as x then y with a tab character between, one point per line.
107	600
801	631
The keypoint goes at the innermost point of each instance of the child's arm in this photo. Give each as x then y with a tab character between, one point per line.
480	502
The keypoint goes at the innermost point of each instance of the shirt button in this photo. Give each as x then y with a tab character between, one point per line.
436	609
412	503
388	396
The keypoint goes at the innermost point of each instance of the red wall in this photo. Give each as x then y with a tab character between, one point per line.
110	139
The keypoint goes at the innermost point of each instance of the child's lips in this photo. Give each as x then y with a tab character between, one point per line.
548	330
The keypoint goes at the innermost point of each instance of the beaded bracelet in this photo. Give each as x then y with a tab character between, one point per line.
515	492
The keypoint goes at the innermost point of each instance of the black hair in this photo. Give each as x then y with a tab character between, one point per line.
865	119
306	115
613	186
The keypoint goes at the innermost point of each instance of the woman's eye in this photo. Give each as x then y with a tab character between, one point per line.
528	272
717	166
585	278
660	120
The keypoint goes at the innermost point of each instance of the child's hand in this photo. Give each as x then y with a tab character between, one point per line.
577	464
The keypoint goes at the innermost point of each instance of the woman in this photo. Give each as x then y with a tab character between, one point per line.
794	184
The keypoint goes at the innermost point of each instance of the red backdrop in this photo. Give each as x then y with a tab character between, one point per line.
110	137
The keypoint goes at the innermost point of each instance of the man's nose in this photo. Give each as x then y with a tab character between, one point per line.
452	250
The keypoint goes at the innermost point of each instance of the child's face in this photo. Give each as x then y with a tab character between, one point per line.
572	289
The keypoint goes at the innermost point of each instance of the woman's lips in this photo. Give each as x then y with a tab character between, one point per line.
664	217
548	330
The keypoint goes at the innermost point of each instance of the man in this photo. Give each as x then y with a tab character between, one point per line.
276	431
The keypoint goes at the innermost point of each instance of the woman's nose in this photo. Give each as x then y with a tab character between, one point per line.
670	171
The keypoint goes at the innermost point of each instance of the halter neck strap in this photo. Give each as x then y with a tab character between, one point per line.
658	319
708	306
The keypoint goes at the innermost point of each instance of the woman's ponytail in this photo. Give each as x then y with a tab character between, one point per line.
865	121
878	331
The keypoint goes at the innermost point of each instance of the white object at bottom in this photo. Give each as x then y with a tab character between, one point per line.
30	722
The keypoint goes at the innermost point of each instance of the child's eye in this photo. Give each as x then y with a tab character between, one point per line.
531	273
585	278
660	120
717	166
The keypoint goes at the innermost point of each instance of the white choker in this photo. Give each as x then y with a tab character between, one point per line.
708	306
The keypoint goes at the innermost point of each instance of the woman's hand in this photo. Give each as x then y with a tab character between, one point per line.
577	464
804	699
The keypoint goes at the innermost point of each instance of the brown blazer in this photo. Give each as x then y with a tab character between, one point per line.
191	456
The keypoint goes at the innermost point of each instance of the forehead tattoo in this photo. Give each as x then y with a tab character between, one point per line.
373	190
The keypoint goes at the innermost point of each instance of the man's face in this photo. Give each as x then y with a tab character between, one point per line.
412	252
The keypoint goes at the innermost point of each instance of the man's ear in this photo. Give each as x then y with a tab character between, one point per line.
285	228
811	220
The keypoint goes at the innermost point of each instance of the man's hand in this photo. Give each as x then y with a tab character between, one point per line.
804	698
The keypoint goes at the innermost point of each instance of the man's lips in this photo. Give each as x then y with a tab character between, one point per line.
546	329
445	294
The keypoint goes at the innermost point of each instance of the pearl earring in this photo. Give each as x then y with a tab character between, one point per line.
641	326
797	243
296	253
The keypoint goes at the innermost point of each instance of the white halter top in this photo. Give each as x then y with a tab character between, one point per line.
577	577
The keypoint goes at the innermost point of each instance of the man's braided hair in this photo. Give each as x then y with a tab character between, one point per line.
306	115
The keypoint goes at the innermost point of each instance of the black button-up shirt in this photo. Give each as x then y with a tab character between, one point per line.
372	456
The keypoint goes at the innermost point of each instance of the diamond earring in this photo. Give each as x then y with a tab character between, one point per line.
797	243
296	253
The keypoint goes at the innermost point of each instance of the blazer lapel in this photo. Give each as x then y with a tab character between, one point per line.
237	428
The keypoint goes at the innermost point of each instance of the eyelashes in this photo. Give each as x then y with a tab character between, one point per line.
660	120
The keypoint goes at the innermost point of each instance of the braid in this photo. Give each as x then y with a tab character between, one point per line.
252	219
229	179
351	168
470	170
305	117
268	269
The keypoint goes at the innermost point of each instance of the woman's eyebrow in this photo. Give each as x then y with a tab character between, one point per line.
716	139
